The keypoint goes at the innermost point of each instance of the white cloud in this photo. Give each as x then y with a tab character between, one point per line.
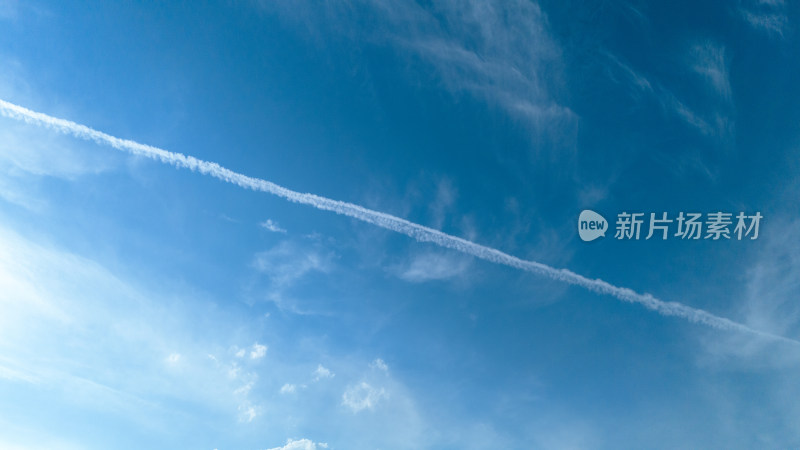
380	365
322	372
770	22
630	76
283	266
689	116
769	301
769	16
433	265
443	202
247	413
710	61
273	226
287	262
362	396
773	283
244	389
16	190
288	388
258	351
384	220
302	444
59	297
26	157
205	388
498	51
770	294
238	381
25	150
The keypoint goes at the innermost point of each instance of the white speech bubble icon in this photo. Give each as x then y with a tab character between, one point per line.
591	225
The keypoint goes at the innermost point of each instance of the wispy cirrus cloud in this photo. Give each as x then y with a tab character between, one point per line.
768	300
705	59
771	287
28	158
768	16
284	266
432	266
500	52
710	60
361	396
288	261
443	202
419	232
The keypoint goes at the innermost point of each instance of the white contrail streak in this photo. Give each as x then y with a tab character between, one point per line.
419	232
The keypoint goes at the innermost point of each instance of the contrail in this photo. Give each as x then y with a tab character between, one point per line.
419	232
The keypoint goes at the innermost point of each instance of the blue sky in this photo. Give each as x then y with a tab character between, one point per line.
146	306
